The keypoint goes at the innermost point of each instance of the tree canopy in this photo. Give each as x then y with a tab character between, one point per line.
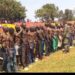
60	14
68	14
48	11
12	10
51	11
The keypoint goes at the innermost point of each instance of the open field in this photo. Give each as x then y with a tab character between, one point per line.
56	62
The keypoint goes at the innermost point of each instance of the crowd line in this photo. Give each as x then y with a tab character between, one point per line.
25	45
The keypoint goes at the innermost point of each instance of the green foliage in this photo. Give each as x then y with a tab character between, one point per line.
11	9
48	11
68	15
60	14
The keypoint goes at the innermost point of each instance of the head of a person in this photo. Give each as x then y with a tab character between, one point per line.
11	31
17	28
5	29
32	29
23	26
37	29
27	29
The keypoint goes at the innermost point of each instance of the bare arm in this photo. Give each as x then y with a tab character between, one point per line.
17	33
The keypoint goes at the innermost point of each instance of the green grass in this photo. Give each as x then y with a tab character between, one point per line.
56	62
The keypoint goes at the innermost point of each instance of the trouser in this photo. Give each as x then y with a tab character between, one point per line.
66	45
4	61
10	65
17	59
38	54
1	52
25	56
31	56
4	64
41	47
73	42
11	62
66	48
48	48
19	56
70	40
37	51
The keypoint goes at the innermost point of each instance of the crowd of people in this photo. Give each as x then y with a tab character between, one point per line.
25	45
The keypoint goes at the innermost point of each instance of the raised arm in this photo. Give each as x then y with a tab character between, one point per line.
18	33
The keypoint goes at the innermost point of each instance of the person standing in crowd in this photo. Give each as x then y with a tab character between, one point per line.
55	41
60	39
8	44
1	37
47	41
50	39
37	44
66	39
24	45
31	44
25	49
4	52
17	39
37	53
73	35
41	41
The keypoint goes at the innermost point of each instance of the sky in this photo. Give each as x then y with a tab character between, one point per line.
33	5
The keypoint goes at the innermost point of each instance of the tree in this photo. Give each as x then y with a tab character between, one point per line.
48	11
68	15
60	15
74	14
12	10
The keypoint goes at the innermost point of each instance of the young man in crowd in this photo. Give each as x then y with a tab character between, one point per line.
66	38
42	41
47	40
25	49
24	45
4	35
38	51
55	41
10	53
17	45
31	45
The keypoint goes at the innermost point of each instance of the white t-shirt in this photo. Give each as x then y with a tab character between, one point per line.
17	47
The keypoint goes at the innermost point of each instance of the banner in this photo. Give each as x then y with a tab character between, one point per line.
9	25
